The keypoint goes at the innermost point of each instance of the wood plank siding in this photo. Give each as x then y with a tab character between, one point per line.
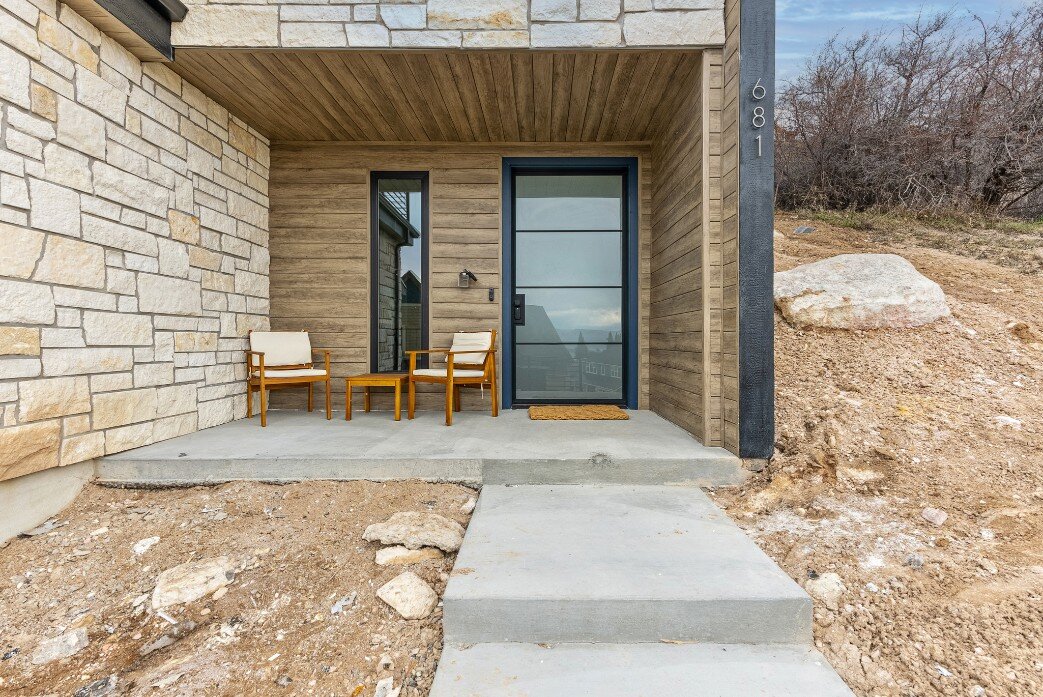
443	96
730	228
320	243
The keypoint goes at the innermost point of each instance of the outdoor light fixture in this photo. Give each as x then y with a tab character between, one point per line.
466	278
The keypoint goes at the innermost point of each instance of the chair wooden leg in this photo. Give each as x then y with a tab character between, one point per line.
264	407
329	400
249	400
398	401
449	404
456	398
411	401
496	402
311	396
347	402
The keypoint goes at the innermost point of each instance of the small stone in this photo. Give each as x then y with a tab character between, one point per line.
914	560
943	671
987	534
283	681
191	581
409	596
68	644
345	603
386	688
385	662
219	593
468	506
142	546
1008	421
399	555
988	566
827	588
98	688
415	530
977	691
41	529
934	516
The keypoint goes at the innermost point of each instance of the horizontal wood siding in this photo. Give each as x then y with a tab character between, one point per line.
676	262
320	243
730	229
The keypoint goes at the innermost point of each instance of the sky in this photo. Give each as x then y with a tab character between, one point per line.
802	26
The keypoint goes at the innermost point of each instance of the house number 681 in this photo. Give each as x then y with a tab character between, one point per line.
758	93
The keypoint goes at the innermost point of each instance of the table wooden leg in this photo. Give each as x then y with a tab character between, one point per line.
365	400
398	401
347	403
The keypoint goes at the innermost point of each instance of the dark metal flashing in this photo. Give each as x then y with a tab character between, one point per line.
756	225
149	19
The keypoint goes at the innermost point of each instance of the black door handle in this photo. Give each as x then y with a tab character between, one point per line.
518	309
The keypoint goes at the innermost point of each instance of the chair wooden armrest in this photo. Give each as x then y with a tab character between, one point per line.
326	357
260	363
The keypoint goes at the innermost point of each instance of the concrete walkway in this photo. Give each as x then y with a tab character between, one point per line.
621	590
510	449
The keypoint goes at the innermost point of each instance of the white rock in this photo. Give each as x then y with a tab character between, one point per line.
399	555
468	506
684	28
60	647
26	303
827	588
935	516
859	291
192	580
386	688
1009	421
777	236
415	530
409	596
142	546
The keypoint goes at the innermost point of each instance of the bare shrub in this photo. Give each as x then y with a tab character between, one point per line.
942	115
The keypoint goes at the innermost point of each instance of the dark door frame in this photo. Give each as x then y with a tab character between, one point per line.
627	166
374	256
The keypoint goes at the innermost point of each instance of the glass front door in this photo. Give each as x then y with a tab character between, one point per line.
568	308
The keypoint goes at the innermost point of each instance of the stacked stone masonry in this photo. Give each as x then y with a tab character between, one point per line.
133	246
439	24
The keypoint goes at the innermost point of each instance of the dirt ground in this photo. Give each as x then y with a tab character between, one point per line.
274	631
874	427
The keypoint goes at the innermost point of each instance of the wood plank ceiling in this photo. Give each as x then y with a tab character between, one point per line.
441	96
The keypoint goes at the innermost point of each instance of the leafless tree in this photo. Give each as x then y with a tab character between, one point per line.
942	115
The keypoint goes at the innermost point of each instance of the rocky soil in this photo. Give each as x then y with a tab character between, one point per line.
268	590
880	431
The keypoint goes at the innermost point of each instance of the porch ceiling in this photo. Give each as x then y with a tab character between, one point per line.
478	96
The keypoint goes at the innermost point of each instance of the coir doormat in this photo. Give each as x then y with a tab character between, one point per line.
578	412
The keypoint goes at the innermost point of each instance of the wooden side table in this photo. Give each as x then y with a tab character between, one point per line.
395	380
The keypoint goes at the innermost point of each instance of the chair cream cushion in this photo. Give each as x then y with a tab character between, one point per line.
471	341
444	372
292	372
281	348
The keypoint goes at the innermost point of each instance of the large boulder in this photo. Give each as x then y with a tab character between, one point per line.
414	530
859	291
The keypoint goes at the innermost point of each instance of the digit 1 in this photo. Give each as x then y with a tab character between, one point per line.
758	146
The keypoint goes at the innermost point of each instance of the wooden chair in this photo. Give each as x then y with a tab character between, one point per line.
470	362
277	360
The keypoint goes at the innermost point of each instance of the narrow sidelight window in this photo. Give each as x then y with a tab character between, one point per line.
398	268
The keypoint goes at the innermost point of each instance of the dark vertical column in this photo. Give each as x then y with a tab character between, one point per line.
756	225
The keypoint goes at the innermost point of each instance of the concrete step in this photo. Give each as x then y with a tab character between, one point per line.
634	670
616	564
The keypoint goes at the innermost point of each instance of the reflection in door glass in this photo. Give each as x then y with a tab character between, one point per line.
574	202
398	305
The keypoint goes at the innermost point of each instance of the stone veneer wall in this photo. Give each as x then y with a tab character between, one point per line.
133	246
451	23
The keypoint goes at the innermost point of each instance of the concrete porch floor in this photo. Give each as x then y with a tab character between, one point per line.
509	449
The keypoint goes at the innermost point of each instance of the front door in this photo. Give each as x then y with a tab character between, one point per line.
569	299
